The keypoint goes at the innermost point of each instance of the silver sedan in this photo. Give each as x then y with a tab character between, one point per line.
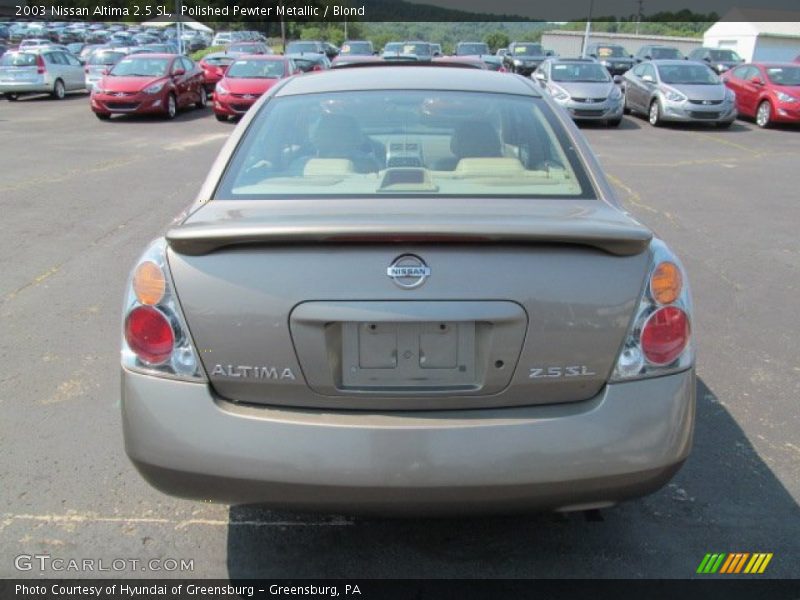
678	90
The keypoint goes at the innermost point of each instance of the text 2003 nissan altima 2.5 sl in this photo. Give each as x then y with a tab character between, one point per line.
408	289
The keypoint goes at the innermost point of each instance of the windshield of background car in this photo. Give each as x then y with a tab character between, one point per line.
784	75
665	53
471	49
611	52
405	143
141	67
583	72
529	49
300	47
256	69
356	48
14	59
418	49
105	58
687	75
726	55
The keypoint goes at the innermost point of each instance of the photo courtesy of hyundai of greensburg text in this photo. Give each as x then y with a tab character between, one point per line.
391	299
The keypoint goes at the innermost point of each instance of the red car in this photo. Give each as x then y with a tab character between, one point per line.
246	80
769	92
149	84
214	66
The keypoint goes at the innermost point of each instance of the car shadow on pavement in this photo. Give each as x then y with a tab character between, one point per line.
628	124
185	115
725	499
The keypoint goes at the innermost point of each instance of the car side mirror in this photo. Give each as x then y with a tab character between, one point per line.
648	57
707	59
540	76
178	73
756	80
549	53
648	78
316	68
105	71
617	79
593	55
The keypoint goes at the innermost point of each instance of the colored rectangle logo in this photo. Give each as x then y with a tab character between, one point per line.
734	563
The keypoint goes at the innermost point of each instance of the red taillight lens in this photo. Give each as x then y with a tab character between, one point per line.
665	335
40	64
149	334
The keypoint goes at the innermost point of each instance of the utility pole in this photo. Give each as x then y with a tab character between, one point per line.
345	28
283	31
178	28
639	15
588	29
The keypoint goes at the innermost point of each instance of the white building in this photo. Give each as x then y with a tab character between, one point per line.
757	35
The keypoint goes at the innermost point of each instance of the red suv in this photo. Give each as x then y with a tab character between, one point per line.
149	84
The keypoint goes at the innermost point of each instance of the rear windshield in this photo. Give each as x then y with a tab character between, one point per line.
580	72
687	74
256	69
253	48
784	75
105	58
141	67
219	61
665	53
471	49
404	143
417	49
14	59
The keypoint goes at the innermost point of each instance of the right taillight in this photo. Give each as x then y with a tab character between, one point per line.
659	341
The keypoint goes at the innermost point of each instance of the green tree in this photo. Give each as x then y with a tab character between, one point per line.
497	40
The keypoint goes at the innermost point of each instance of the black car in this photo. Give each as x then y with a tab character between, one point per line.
612	56
719	59
524	57
312	47
655	52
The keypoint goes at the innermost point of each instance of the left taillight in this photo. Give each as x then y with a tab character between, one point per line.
40	65
659	341
155	338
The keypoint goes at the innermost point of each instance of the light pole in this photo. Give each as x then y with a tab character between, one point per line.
178	28
588	29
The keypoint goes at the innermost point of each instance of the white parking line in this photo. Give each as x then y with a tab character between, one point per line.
196	141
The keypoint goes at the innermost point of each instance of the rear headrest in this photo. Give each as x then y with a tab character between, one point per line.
476	139
328	166
488	167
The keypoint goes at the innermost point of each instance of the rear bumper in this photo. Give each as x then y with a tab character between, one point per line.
26	87
626	442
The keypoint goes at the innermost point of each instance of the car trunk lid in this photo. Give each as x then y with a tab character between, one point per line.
297	303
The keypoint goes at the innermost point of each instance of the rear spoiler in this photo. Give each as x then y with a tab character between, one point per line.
223	224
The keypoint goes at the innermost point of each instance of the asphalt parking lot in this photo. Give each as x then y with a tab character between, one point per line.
80	198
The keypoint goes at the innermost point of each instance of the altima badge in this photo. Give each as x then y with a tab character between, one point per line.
408	271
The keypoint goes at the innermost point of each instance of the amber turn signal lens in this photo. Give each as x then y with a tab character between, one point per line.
149	283
666	283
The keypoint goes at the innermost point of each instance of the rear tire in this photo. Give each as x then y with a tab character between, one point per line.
59	91
655	114
764	114
102	116
222	118
12	97
203	101
171	109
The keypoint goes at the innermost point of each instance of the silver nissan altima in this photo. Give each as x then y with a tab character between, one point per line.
408	289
